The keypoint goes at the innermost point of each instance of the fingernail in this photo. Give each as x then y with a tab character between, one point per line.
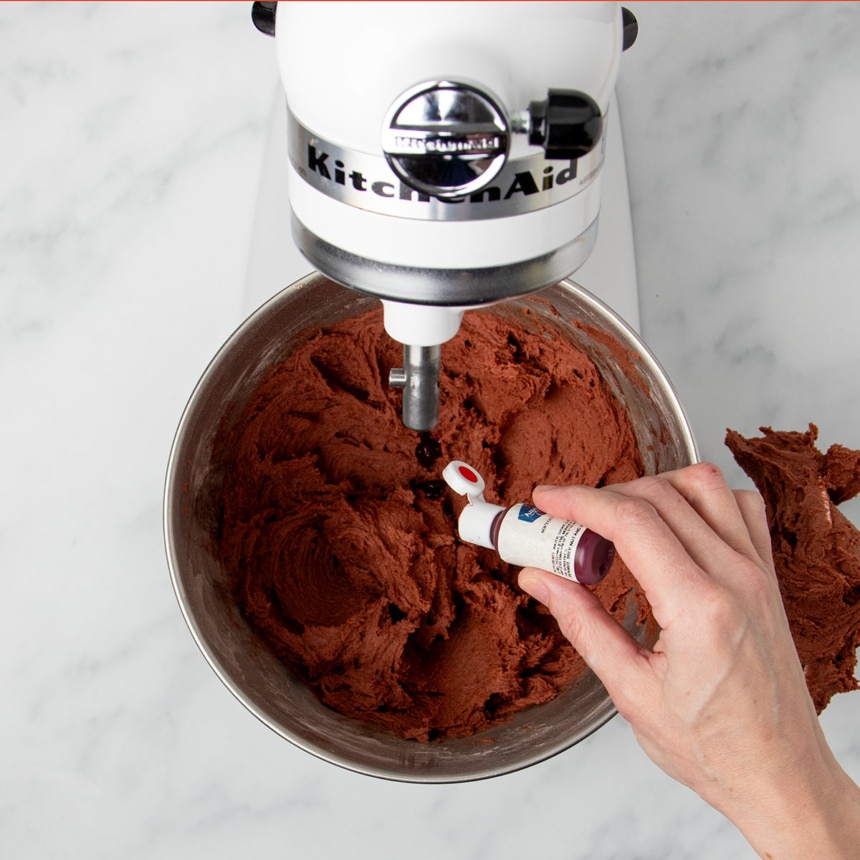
531	581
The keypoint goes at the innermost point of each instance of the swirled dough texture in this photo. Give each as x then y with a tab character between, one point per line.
340	538
816	549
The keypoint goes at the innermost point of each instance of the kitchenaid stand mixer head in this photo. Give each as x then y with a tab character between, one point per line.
444	155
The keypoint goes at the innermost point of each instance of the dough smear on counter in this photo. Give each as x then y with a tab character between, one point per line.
339	536
816	548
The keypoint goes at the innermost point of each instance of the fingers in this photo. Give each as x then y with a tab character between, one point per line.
752	508
613	655
703	512
705	489
674	531
641	535
686	536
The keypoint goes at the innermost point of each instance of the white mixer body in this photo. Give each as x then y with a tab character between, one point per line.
445	155
344	65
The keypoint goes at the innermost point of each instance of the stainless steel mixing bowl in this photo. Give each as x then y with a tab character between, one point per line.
265	685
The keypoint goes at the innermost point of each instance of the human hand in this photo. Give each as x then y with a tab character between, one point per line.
720	703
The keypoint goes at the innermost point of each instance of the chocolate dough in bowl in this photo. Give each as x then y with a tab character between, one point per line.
312	543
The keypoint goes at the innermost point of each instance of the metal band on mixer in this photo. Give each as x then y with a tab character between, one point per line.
367	181
452	287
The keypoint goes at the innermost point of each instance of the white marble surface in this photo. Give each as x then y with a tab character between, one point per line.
132	138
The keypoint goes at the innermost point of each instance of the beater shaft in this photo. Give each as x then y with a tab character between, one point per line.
419	379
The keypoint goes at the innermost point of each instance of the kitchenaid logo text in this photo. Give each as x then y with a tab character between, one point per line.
403	143
523	182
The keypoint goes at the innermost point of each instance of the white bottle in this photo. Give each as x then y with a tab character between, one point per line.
525	536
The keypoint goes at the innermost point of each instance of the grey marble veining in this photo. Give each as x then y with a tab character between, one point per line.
132	137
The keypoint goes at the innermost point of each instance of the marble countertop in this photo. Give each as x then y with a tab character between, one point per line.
132	141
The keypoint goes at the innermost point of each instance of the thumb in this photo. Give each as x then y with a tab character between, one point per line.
609	650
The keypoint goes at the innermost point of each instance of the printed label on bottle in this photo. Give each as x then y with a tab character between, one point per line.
530	538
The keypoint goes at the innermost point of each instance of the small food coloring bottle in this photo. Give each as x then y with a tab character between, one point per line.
524	535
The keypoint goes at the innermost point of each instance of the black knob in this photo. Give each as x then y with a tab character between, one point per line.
567	125
629	27
263	16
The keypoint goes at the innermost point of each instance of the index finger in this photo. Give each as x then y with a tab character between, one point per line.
644	540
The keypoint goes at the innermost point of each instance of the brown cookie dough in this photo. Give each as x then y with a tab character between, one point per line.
340	538
816	548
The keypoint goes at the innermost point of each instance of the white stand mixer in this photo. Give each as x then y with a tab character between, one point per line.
444	156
